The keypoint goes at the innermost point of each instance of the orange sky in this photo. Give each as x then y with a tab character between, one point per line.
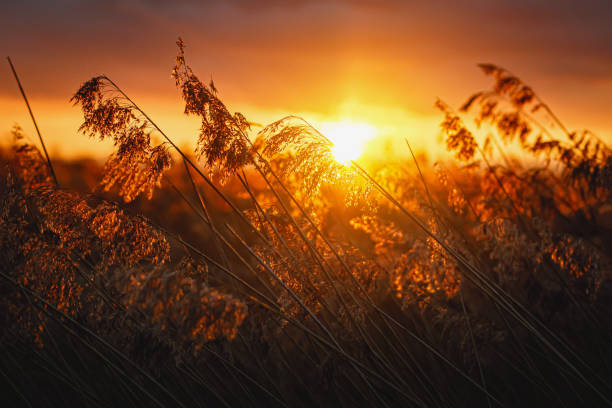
382	63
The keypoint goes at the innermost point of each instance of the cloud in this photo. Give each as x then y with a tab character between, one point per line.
312	55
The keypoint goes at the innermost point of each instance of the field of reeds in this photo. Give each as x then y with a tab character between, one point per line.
258	271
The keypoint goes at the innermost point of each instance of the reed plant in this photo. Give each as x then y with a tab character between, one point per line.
256	270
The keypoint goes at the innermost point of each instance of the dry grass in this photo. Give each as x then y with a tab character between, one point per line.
262	272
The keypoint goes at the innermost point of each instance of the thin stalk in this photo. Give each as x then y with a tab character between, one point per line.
48	307
248	377
289	290
15	388
273	307
355	280
244	181
204	208
42	143
416	162
505	300
473	340
196	377
260	364
218	234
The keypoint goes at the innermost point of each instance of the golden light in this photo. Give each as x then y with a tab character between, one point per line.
348	139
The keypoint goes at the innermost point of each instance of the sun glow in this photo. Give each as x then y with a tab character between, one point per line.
348	139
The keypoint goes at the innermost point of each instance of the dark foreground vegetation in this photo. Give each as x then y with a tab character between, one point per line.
257	271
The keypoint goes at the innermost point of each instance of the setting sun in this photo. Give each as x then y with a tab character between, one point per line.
348	138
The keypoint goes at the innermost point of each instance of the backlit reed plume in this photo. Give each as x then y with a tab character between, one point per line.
179	306
518	113
424	274
223	139
55	230
305	276
136	166
77	251
307	153
458	138
33	170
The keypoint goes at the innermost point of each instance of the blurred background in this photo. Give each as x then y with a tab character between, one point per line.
379	63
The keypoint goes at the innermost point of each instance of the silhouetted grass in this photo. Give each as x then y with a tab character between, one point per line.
259	271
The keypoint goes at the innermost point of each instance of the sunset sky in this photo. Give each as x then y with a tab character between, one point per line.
373	62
